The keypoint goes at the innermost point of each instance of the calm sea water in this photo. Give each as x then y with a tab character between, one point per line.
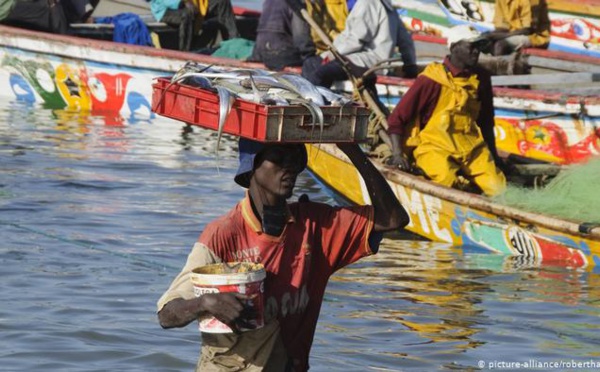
96	218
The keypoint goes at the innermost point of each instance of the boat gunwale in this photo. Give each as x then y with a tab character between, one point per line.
7	32
484	204
474	201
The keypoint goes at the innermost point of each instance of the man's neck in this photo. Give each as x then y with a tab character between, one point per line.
259	201
460	66
458	70
273	218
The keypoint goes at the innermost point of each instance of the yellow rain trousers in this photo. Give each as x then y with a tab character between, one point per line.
331	18
451	140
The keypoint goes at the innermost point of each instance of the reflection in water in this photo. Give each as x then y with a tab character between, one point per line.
440	300
454	308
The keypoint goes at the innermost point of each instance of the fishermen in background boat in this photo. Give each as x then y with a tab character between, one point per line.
39	15
79	11
446	118
300	245
372	32
519	24
188	16
283	37
331	16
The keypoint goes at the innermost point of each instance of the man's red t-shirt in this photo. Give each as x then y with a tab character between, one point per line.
318	240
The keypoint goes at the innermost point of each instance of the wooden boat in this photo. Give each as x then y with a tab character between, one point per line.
110	80
447	215
97	76
575	25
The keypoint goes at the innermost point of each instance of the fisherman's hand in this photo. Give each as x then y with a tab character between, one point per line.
226	307
399	161
326	57
495	35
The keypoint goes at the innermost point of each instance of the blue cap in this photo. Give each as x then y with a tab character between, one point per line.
248	149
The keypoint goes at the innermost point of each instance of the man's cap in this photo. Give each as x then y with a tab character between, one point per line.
248	150
464	33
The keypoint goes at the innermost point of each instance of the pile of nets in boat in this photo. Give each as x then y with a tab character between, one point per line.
574	194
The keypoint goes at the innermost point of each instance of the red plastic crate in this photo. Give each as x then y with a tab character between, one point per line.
264	123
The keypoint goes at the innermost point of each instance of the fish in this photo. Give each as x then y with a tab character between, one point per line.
333	98
255	72
258	95
191	67
233	86
273	100
315	112
304	87
197	80
226	100
336	99
268	82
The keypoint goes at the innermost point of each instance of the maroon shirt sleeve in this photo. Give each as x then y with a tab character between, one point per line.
418	101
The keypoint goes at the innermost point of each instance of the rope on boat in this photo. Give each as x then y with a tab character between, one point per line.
146	262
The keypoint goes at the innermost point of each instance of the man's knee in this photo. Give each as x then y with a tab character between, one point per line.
437	169
493	183
310	68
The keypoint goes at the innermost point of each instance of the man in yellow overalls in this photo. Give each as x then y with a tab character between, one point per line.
520	24
446	120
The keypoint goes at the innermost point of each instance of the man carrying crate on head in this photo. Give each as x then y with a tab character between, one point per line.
300	245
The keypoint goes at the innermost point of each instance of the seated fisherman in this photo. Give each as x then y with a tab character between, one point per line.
448	117
331	16
79	11
188	14
39	15
283	37
372	32
520	24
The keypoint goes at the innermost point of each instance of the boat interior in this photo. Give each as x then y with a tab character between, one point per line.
206	41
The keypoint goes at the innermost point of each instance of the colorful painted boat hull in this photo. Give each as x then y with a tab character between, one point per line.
574	29
74	74
446	215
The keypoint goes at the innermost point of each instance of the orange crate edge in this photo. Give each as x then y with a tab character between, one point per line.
264	123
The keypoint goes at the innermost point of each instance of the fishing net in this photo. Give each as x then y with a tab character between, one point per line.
574	194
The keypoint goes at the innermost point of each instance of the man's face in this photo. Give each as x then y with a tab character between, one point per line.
466	53
277	167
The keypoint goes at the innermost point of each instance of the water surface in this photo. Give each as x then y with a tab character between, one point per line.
97	216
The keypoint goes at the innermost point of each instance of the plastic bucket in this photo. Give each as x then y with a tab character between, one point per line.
241	277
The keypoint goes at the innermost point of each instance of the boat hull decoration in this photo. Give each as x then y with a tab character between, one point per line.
446	215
